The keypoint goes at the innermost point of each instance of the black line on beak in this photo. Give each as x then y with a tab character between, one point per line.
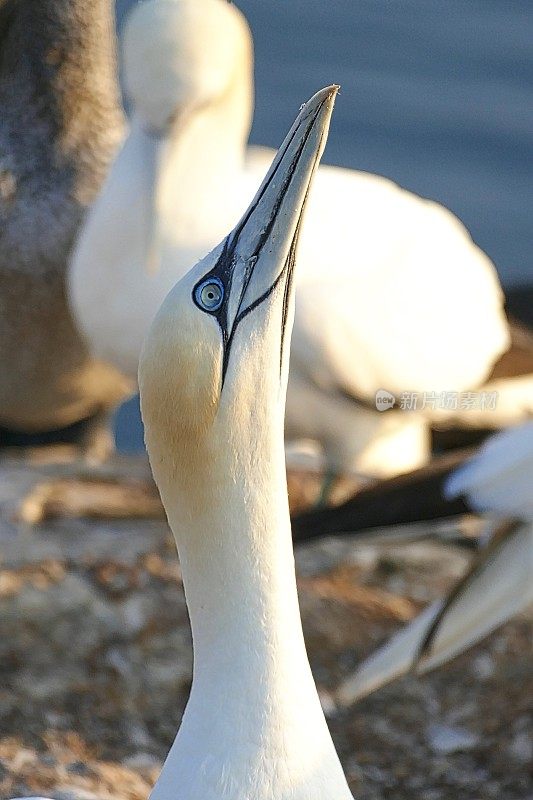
225	266
291	261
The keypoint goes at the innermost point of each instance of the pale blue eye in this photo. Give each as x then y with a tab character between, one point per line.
210	294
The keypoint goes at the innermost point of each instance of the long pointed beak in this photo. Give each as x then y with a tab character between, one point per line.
268	231
259	254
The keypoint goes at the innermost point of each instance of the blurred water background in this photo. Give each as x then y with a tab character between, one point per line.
436	94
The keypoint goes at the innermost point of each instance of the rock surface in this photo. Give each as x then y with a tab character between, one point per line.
95	655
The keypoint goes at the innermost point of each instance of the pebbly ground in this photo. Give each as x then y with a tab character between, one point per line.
95	651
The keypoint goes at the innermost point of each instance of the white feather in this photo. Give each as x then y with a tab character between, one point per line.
501	589
499	480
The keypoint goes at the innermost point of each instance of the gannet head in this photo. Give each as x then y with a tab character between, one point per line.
182	55
188	70
216	355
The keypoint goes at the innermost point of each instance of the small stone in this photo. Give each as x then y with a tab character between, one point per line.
445	739
366	557
139	735
483	666
142	761
134	614
118	662
397	585
55	720
521	748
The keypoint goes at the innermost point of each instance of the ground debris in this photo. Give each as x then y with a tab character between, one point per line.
93	499
41	576
96	660
64	766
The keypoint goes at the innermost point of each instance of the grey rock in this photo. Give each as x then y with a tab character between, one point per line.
444	739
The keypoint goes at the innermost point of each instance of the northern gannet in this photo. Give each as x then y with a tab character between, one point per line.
399	299
212	379
60	125
497	480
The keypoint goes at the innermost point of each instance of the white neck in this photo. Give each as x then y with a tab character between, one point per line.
253	727
199	163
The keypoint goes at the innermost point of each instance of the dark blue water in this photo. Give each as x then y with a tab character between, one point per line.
436	94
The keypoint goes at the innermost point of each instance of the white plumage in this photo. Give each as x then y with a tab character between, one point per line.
498	480
217	351
392	293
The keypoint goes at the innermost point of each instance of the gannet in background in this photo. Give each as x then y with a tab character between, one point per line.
497	480
399	298
212	380
60	125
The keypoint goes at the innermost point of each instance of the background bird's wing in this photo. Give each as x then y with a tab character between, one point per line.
498	586
369	312
412	497
499	477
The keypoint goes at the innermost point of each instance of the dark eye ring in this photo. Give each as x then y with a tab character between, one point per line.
209	295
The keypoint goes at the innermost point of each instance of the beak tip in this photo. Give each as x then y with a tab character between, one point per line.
325	94
320	104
